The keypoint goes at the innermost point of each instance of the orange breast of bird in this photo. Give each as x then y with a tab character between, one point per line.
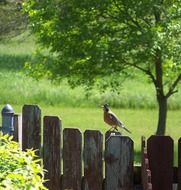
108	119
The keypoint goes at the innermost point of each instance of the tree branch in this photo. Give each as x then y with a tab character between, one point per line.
172	87
148	72
146	22
125	11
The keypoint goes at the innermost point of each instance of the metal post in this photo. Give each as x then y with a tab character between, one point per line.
7	119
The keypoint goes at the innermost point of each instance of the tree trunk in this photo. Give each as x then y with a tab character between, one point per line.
162	115
161	98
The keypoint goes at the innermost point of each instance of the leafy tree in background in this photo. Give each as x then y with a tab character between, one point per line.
91	39
12	21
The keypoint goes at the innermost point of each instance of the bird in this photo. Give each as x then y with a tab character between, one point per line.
111	119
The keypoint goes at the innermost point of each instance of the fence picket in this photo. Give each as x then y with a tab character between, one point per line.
17	125
143	156
52	151
93	165
179	164
72	166
160	154
119	163
31	128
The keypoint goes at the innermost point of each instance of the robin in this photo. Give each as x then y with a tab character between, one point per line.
111	119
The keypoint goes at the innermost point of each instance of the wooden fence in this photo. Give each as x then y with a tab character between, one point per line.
76	161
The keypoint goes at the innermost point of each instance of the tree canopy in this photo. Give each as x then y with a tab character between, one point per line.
90	39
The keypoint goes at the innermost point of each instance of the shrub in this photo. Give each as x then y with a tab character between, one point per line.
19	169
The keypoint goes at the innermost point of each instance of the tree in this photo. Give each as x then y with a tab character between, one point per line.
12	21
90	39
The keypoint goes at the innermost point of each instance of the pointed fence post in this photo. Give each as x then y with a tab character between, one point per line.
31	128
160	155
93	164
119	157
52	151
72	161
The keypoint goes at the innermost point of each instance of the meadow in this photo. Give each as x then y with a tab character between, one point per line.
135	103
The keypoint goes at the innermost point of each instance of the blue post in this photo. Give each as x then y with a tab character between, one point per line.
7	119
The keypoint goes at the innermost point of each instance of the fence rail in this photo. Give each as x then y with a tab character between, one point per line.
86	166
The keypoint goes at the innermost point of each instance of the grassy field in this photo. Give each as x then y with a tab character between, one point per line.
135	105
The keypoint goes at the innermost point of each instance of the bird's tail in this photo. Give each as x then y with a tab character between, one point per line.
122	126
127	130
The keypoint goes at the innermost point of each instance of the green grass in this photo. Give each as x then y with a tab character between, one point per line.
17	88
23	44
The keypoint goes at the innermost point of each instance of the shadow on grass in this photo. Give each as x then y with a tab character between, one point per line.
137	157
13	62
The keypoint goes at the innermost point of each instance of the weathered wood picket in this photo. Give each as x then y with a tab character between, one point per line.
84	160
145	169
119	159
160	154
52	151
179	164
93	165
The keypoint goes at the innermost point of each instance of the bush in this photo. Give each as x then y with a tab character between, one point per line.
19	169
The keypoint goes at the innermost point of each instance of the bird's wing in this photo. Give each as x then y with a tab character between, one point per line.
115	119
